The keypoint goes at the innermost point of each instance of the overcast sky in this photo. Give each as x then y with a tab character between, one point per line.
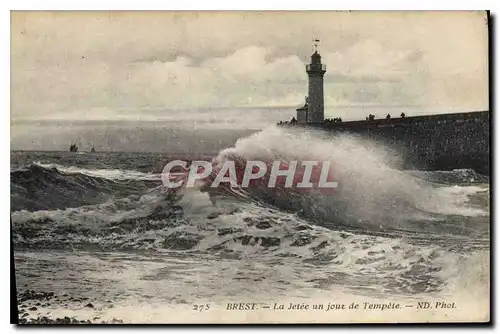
150	65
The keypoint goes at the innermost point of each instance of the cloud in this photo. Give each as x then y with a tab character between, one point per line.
69	65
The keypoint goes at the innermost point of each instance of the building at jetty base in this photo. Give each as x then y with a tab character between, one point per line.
432	142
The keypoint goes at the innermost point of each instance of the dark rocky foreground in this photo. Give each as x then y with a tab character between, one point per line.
34	308
62	321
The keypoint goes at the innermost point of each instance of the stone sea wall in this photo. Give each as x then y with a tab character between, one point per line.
435	142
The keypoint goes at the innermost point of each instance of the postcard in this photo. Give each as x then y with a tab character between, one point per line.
273	167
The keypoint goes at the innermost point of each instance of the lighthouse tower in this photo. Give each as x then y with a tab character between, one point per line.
315	71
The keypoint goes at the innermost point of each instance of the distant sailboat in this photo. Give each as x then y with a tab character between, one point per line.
73	148
93	149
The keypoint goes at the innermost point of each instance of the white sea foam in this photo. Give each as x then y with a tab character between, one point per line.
111	174
246	250
372	187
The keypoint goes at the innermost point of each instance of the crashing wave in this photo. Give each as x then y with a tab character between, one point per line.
37	187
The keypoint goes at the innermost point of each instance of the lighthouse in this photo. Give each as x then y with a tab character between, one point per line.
315	102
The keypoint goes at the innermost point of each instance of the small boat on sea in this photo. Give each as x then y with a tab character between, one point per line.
73	147
93	149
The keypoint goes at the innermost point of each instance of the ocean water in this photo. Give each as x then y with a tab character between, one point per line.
101	228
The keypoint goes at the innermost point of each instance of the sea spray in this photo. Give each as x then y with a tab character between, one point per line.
270	237
372	187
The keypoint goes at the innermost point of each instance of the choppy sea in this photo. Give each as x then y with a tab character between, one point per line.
100	228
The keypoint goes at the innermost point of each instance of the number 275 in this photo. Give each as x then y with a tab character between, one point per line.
201	307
